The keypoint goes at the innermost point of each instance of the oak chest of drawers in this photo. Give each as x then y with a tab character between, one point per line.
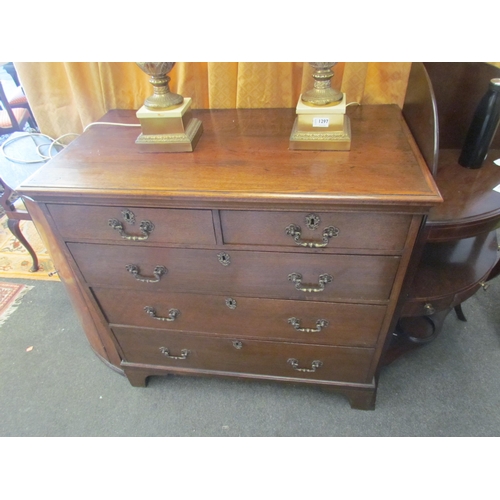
243	258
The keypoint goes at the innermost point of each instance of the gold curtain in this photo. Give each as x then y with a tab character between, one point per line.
65	97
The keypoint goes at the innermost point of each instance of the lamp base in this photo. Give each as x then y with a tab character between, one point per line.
170	131
321	128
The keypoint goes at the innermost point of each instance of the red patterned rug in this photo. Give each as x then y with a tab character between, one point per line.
10	298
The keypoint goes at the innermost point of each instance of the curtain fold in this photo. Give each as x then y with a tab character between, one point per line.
65	97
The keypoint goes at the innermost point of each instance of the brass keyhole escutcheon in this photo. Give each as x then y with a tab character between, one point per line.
128	216
231	303
224	258
312	221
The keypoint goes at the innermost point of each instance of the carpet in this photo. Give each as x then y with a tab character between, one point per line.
10	298
15	261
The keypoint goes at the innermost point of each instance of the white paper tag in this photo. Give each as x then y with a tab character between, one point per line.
497	188
321	122
497	162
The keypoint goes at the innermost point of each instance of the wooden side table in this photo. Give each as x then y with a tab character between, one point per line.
458	247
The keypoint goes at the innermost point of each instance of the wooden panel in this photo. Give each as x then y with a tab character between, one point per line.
420	112
347	324
254	274
76	222
255	357
371	231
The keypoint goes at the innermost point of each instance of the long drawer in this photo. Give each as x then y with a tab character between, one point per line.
301	276
288	320
337	230
184	351
130	225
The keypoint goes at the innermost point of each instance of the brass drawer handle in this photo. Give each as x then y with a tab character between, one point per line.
314	365
297	279
173	314
296	233
145	226
158	272
184	353
320	323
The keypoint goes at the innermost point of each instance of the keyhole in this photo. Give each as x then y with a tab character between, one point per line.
231	303
312	221
224	258
128	216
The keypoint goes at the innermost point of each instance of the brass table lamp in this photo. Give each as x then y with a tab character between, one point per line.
166	119
321	122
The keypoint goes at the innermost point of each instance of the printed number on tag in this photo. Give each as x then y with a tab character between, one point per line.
321	122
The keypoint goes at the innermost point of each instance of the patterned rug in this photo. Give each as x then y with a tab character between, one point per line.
15	261
10	298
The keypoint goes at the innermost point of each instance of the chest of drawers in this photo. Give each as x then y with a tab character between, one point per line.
242	259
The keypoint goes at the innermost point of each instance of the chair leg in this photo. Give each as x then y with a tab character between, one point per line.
32	123
16	231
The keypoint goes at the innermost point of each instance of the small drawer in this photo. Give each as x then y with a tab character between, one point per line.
300	276
180	351
287	320
338	230
134	225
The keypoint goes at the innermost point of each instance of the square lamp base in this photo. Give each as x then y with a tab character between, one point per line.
321	128
171	131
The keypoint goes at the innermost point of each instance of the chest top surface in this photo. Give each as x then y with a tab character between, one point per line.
243	155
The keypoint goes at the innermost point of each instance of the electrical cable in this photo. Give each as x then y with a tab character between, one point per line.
110	123
52	144
31	135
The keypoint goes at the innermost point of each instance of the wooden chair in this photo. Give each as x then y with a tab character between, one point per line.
9	201
17	99
14	172
11	174
11	70
13	119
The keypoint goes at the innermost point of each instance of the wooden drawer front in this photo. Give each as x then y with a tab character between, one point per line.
335	324
255	274
76	222
370	231
349	364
